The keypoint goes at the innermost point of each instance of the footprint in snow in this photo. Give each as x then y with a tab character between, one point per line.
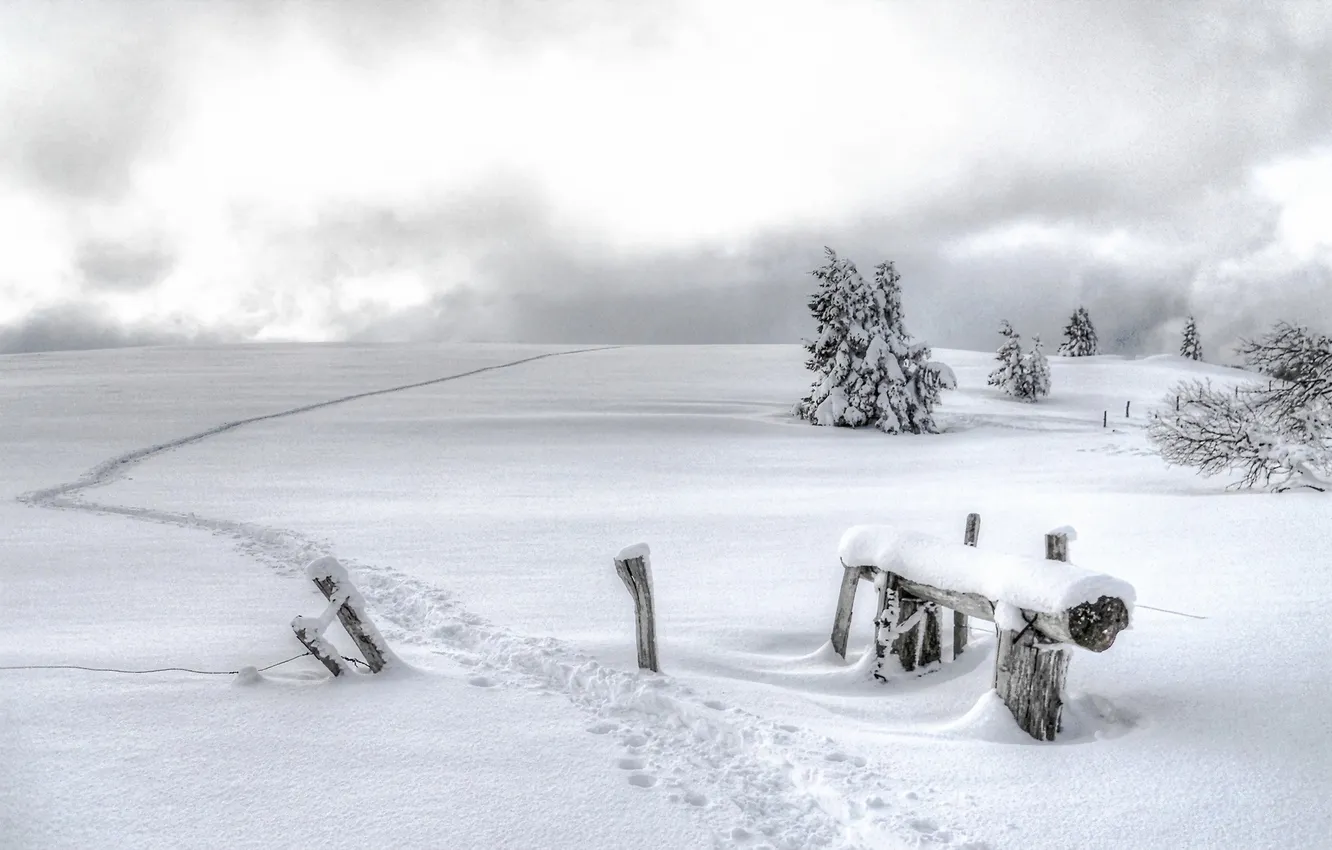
642	780
481	682
602	727
715	705
838	755
629	763
635	740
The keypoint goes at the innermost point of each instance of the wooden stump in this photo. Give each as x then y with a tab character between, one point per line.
634	569
1029	670
1029	678
960	630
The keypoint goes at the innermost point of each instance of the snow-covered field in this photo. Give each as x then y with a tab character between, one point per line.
479	515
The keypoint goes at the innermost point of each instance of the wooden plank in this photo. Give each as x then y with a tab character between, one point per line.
906	646
846	600
931	643
357	623
961	632
885	620
636	574
309	631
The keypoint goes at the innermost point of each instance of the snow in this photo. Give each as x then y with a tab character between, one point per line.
477	534
1035	584
638	550
1067	530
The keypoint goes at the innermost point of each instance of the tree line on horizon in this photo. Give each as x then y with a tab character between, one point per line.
870	372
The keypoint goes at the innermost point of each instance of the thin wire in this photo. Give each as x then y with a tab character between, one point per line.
1168	611
158	669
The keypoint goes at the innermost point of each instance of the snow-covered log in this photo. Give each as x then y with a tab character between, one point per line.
332	580
1039	607
1069	604
634	566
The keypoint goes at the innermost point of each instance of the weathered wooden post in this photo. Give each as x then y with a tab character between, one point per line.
331	579
1105	418
1029	670
634	567
960	631
1126	409
846	600
310	632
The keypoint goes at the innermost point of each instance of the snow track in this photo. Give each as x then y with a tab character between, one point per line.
775	786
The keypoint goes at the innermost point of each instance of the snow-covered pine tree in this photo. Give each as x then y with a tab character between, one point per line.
869	371
1079	336
1191	347
837	351
1009	374
1037	369
904	383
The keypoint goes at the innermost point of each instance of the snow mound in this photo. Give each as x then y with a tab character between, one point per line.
1086	718
1033	584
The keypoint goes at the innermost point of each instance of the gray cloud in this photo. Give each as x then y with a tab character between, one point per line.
1140	116
111	265
80	327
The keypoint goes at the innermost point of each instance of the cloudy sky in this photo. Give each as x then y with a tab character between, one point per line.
597	170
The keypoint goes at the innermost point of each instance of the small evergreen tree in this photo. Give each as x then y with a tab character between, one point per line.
1079	336
1007	376
1023	375
1191	347
1037	368
838	346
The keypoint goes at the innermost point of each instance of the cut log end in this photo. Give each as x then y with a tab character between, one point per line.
1094	625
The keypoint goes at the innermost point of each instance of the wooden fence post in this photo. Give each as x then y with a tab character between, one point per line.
331	579
960	631
846	600
1126	409
1105	418
1029	671
634	568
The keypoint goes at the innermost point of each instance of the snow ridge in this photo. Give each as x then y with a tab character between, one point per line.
785	787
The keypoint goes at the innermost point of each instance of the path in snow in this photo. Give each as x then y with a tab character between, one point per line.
785	787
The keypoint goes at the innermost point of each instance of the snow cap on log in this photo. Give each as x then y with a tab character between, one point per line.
327	567
1032	584
638	550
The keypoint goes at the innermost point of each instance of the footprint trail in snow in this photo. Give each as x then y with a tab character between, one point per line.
783	787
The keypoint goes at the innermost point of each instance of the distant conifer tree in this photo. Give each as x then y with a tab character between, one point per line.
1079	336
1191	347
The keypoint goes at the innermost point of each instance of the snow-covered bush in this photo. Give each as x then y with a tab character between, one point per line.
1079	335
1279	436
1250	432
869	371
1191	346
1023	375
